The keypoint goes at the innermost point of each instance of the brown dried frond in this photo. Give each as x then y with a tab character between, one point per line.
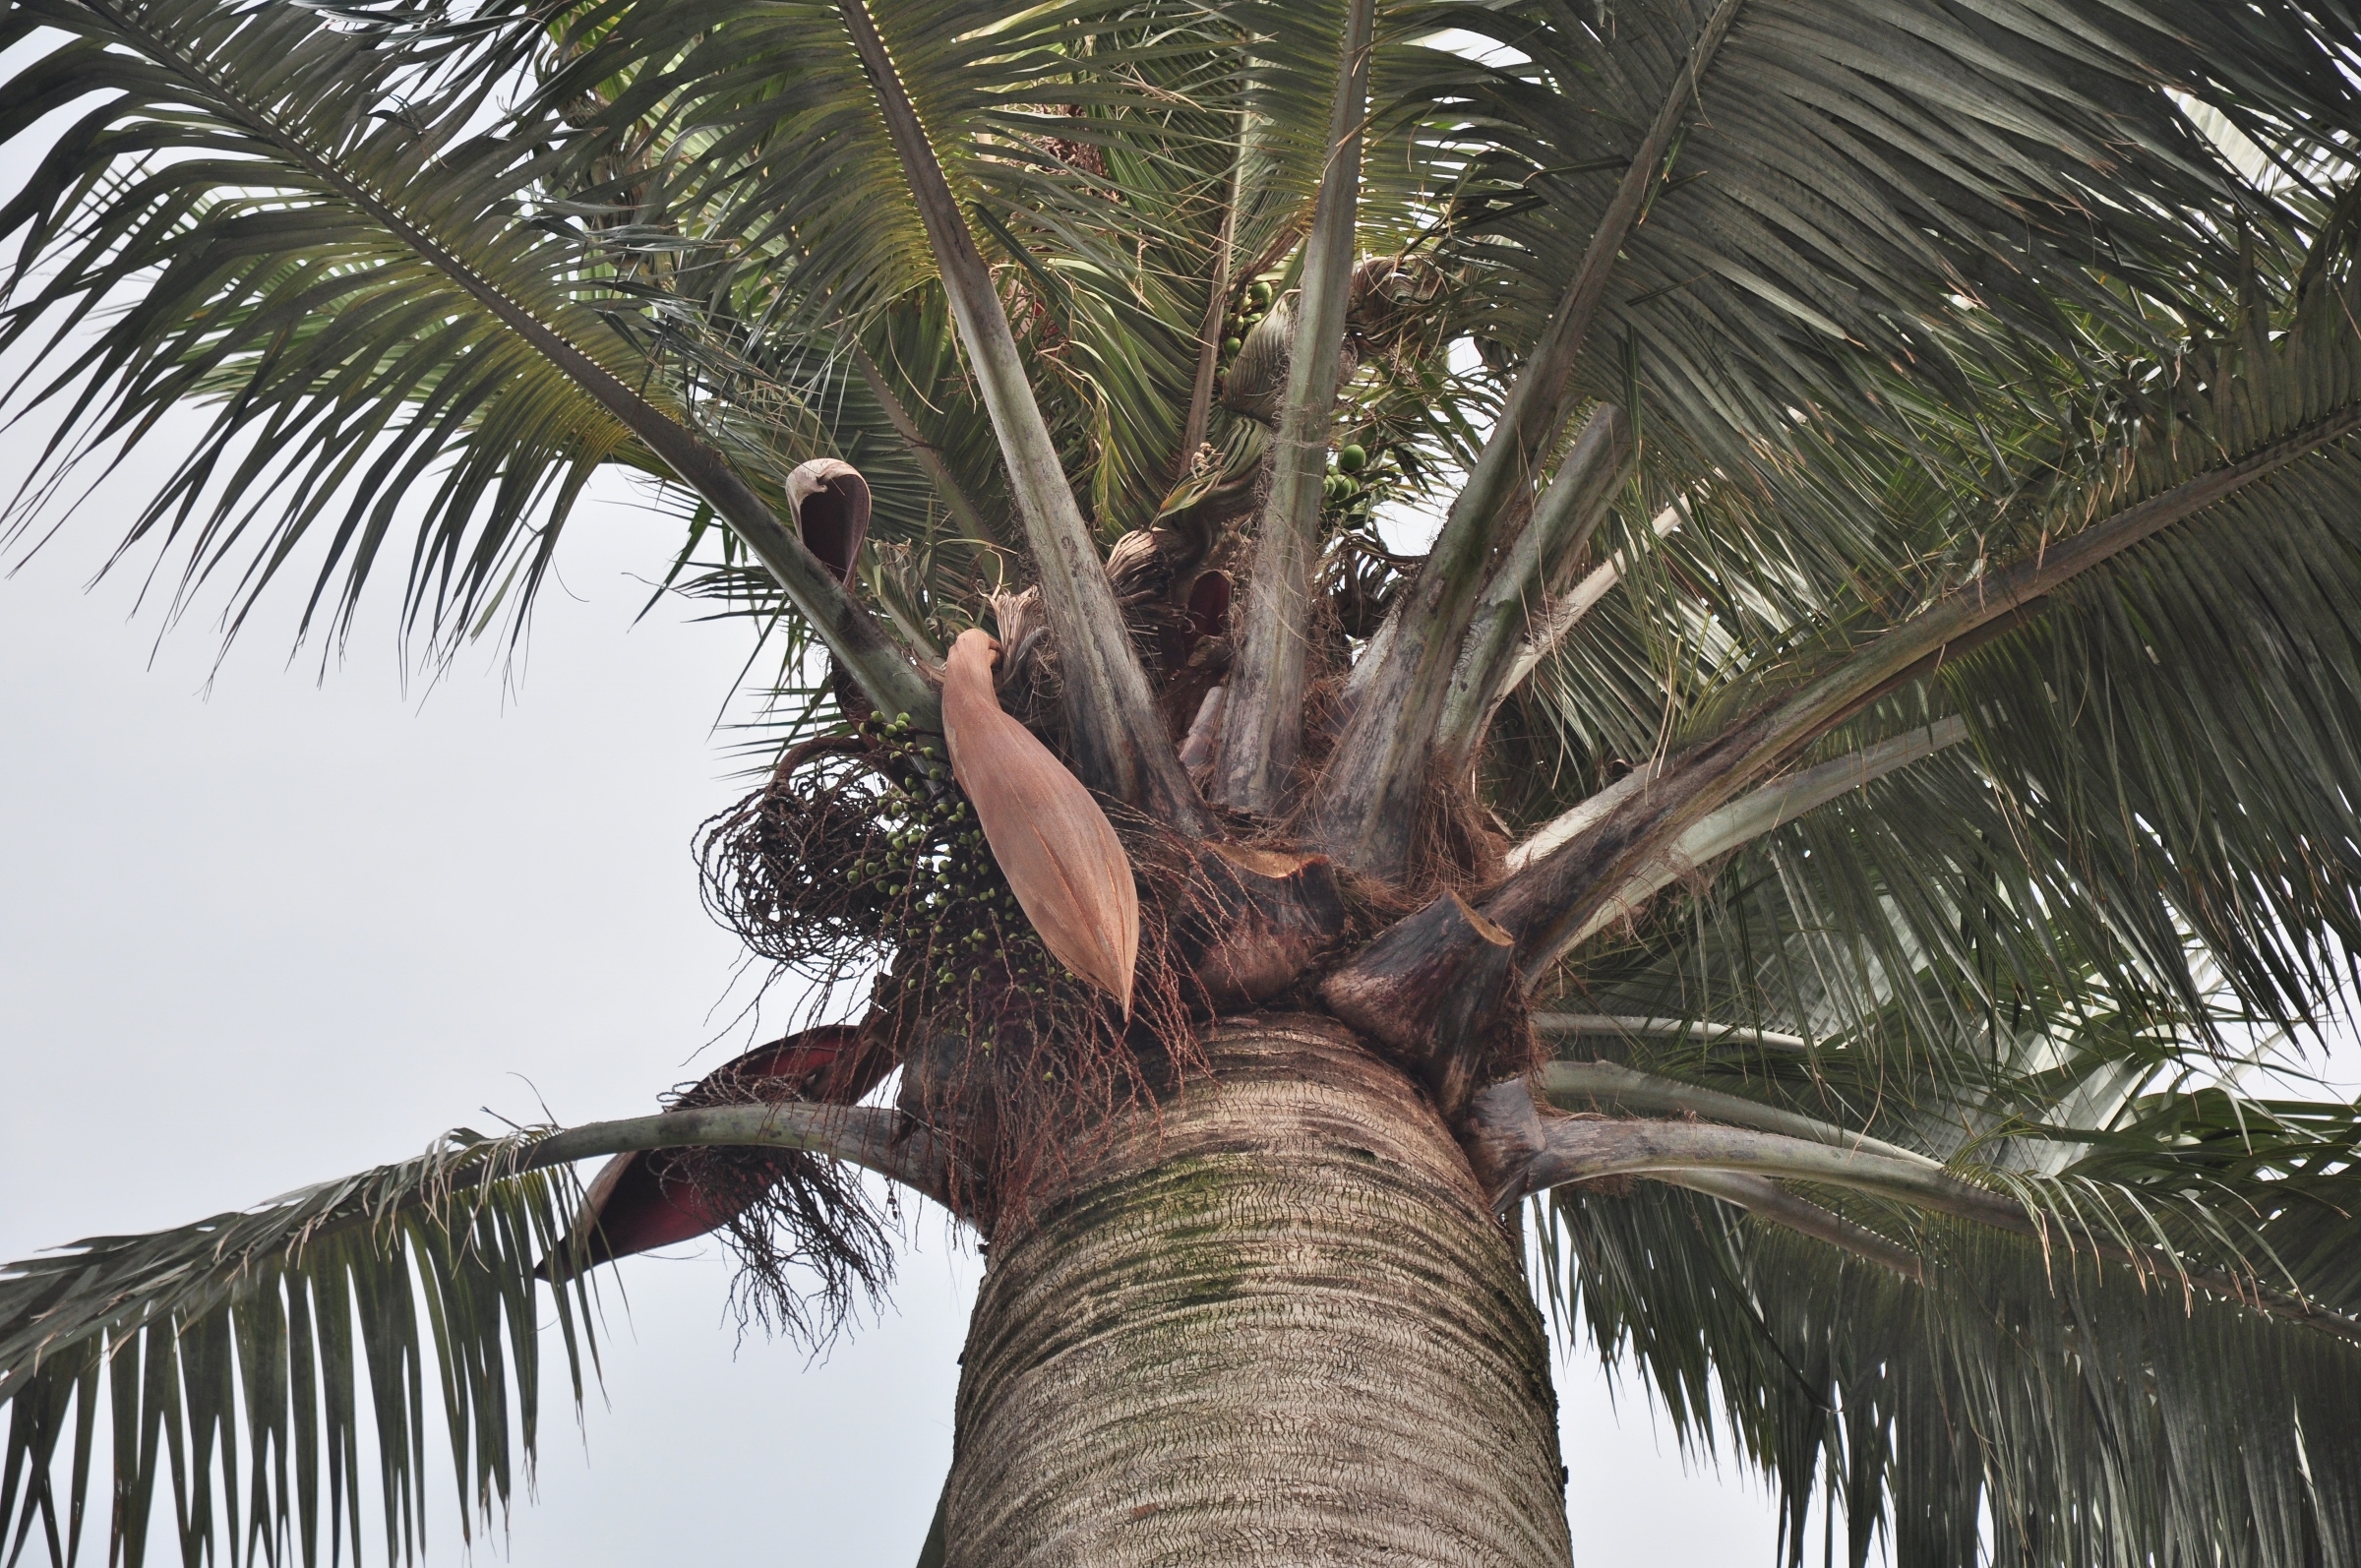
810	1244
1362	582
1088	156
1395	307
810	1248
1454	849
1455	845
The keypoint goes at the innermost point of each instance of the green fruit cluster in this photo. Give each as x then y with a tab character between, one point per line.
1253	303
1357	480
929	876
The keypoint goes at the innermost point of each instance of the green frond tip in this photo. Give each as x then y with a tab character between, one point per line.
227	1357
2021	1407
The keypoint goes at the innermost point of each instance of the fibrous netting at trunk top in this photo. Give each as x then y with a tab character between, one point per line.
859	858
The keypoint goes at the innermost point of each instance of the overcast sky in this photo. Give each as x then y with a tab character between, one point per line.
270	933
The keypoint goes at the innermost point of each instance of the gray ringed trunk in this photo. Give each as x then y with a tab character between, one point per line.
1274	1325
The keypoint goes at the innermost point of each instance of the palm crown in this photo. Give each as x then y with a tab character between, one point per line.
1879	709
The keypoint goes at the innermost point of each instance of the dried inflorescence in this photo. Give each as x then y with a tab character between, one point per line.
851	854
861	856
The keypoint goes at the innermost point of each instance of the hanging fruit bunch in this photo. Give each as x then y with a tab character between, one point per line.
861	851
1362	575
1252	304
969	870
1360	479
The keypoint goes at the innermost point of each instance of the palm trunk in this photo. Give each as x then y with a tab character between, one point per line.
1274	1324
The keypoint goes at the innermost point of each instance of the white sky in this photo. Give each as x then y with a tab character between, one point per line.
256	939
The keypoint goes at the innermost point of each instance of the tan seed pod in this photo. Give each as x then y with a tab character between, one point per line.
1057	848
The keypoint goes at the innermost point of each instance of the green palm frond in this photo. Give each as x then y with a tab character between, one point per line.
2044	977
1872	991
1094	146
1070	134
2216	662
2289	1164
2049	1404
327	229
1835	203
1876	940
241	203
250	1362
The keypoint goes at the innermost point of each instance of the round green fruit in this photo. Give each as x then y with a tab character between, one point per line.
1352	460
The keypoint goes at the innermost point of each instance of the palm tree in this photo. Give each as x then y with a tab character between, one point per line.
1834	849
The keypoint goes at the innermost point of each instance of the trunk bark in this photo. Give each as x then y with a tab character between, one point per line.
1276	1324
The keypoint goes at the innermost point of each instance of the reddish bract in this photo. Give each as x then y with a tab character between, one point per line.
630	1207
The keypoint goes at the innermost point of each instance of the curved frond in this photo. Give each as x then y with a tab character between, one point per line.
246	1325
240	201
1856	179
2115	708
327	227
2038	1409
246	1363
